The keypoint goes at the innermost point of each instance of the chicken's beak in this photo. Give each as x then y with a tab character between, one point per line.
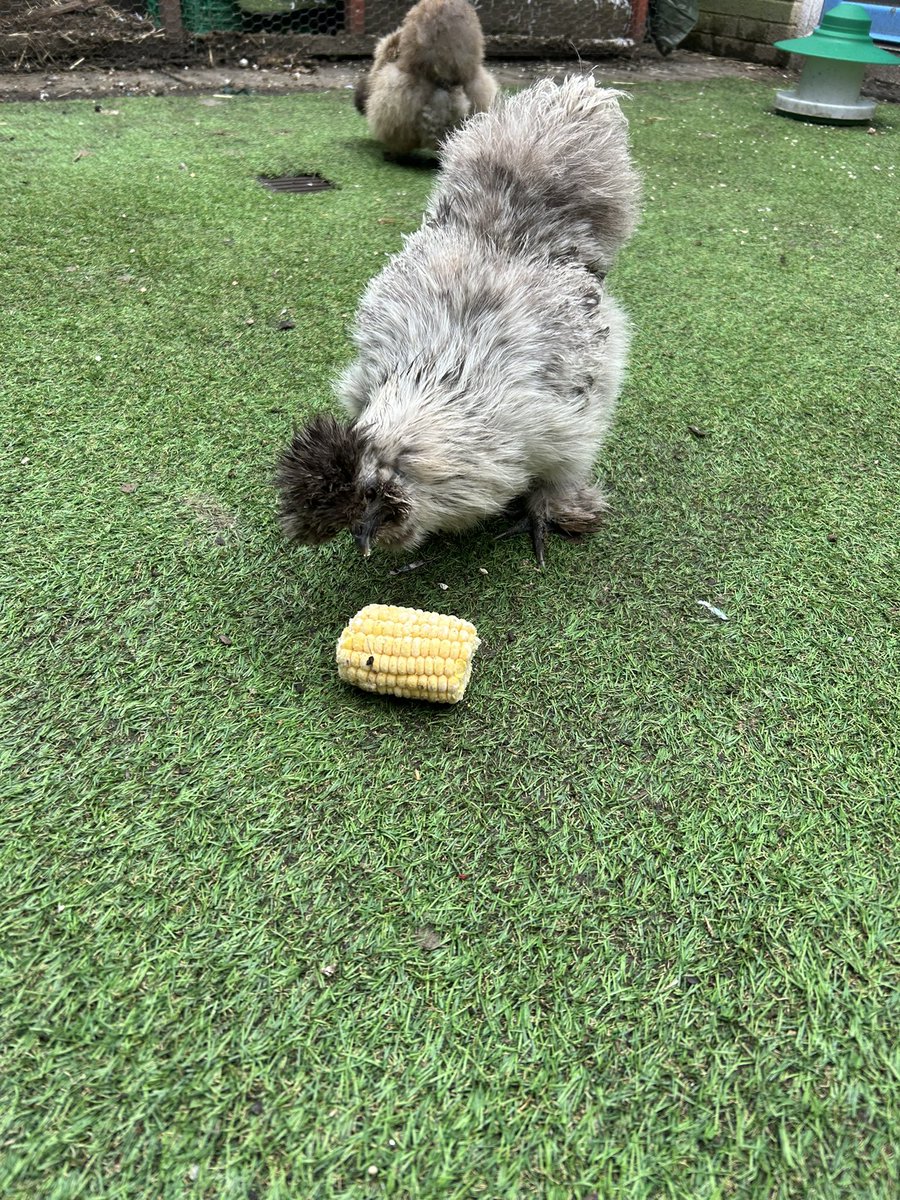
363	540
365	533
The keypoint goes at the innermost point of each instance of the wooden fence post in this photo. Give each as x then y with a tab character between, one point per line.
170	15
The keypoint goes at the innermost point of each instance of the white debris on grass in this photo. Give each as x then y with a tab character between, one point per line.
716	612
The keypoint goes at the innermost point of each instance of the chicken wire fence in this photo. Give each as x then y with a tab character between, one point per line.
60	34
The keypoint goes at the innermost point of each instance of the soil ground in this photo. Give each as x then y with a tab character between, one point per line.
321	75
69	49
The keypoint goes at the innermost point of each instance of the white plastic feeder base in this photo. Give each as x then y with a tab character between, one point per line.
790	102
829	91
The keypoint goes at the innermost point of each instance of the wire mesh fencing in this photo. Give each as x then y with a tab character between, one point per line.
60	34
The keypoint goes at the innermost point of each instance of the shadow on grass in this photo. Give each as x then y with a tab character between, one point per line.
375	154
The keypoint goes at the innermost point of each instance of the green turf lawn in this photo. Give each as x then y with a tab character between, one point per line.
625	923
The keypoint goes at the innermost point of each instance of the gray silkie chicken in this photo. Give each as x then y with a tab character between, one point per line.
490	354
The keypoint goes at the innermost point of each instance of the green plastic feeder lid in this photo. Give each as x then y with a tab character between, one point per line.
844	36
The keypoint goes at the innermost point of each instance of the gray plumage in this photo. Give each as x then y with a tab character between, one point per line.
426	77
490	354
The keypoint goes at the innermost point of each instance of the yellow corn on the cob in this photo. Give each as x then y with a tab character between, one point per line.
407	652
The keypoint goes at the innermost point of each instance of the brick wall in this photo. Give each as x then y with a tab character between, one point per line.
745	28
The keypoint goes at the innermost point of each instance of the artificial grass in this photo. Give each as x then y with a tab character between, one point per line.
625	923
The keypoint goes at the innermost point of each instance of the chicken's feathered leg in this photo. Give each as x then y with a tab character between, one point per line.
535	526
570	515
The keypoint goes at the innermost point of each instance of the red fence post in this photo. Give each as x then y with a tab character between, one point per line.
357	16
638	21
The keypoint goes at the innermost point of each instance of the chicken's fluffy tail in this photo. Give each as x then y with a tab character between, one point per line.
548	169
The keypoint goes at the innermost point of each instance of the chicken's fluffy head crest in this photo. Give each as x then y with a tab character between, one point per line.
316	480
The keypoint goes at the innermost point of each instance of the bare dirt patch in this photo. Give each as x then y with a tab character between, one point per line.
214	518
272	78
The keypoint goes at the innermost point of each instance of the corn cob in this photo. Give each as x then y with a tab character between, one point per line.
407	652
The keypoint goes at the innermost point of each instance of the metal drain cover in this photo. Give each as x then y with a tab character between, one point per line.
295	183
